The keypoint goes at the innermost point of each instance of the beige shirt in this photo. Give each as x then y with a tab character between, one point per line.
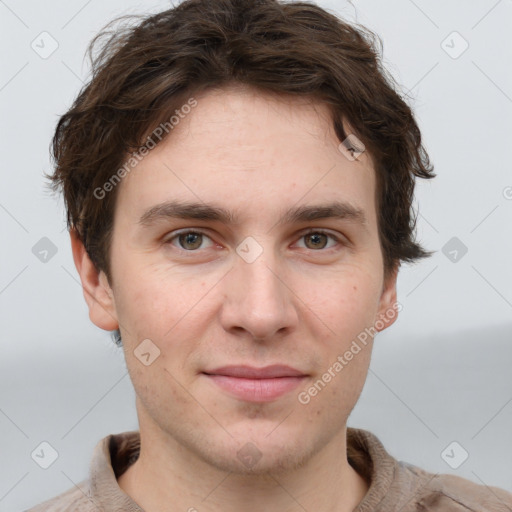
395	486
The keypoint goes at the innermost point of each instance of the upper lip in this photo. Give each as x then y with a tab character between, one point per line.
251	372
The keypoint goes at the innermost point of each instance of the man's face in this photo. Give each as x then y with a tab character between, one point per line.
252	291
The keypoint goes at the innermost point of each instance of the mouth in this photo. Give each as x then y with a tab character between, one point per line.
253	384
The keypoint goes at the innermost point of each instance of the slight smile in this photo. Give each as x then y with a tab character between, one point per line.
253	384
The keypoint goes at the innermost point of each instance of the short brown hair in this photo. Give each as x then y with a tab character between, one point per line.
144	71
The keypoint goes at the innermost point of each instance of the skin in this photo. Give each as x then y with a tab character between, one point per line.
301	302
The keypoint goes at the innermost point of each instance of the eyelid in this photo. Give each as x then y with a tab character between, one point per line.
307	231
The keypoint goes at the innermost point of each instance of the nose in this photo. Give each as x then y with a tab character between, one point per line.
258	299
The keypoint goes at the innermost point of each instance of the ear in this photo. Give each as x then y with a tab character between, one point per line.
97	291
388	305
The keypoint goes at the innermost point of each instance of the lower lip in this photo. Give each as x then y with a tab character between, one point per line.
256	390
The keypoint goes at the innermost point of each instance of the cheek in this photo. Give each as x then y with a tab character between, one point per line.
155	303
173	312
332	402
159	390
345	303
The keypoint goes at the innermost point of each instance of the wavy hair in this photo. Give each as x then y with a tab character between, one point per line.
145	67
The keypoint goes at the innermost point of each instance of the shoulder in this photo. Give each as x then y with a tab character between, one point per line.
75	499
400	486
449	493
100	491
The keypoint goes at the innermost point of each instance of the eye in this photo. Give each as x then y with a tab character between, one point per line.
188	240
318	239
192	240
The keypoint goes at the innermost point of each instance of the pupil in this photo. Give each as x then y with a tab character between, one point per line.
192	238
315	237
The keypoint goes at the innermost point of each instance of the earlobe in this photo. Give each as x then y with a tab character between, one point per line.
97	292
388	305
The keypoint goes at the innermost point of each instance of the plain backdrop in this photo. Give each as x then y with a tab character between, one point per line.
440	374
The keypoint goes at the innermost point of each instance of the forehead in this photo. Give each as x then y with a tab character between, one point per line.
250	152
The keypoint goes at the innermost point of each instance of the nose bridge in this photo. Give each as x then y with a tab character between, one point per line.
263	286
257	300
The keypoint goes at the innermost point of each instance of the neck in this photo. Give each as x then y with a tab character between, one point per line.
166	473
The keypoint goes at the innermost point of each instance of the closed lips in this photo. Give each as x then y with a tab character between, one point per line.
251	384
251	372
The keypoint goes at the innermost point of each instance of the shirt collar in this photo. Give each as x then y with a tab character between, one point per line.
116	452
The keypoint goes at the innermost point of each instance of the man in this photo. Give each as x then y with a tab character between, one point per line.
238	177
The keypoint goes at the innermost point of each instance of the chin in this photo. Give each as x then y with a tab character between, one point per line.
259	454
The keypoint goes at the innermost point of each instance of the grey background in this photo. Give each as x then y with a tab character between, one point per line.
440	374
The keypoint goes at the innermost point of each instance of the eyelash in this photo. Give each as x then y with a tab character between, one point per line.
169	241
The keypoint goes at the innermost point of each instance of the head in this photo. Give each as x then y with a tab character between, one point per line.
215	211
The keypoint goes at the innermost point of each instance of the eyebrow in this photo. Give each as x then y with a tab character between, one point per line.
202	211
